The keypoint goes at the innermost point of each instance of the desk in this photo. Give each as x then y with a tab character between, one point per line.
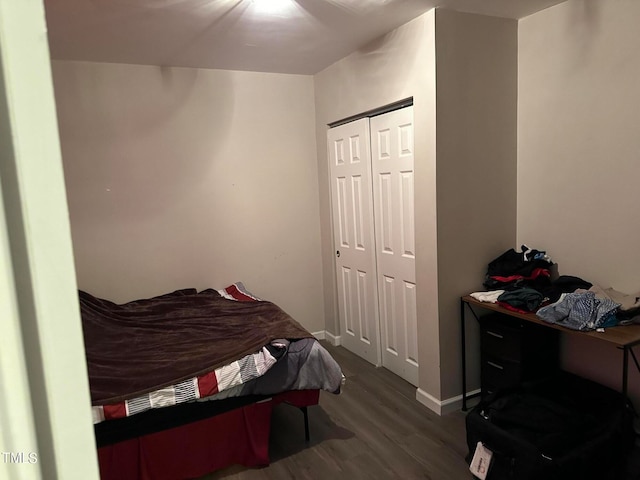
623	338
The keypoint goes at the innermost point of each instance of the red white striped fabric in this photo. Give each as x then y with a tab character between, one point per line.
235	373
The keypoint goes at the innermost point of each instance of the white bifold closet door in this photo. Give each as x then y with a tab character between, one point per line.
372	197
352	208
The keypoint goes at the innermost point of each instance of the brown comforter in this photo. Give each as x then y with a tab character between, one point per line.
144	345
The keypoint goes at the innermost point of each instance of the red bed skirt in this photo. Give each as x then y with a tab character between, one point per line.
240	436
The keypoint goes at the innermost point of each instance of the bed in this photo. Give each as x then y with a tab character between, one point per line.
184	383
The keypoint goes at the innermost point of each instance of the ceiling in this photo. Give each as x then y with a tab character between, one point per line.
284	36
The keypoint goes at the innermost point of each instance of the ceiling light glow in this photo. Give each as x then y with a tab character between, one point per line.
273	7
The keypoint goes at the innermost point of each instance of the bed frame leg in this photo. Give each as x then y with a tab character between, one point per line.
306	423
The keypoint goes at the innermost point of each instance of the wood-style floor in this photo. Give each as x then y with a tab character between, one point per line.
375	430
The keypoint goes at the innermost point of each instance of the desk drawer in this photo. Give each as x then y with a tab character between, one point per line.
500	373
501	341
489	390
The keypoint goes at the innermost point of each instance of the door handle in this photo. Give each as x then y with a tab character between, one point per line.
495	365
338	253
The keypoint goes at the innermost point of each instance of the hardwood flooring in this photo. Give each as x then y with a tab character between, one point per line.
375	430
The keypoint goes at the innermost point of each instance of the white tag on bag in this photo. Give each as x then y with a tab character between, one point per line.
481	461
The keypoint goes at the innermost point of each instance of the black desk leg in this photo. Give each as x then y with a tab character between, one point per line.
625	369
306	423
464	357
635	360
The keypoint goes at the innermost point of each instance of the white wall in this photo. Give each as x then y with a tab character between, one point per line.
578	153
183	177
398	65
476	65
465	153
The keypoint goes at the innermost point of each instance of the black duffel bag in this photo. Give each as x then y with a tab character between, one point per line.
564	427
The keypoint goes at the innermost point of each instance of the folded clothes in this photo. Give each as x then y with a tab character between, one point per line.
488	297
626	301
629	309
526	299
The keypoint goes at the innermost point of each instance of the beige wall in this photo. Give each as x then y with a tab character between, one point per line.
476	58
182	177
578	148
465	145
400	64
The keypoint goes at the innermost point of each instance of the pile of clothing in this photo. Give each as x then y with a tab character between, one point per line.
522	282
513	269
592	309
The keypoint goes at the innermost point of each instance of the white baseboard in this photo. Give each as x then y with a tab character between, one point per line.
319	335
443	407
329	337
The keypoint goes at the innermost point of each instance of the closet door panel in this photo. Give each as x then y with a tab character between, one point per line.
352	210
392	172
